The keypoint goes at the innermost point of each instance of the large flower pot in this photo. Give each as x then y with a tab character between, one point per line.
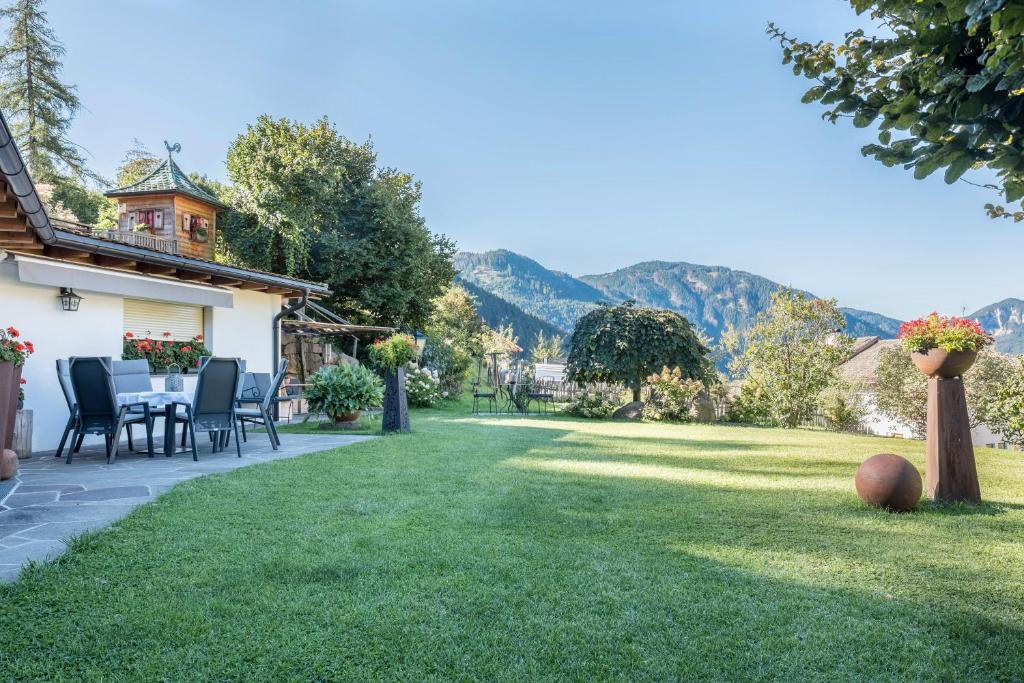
348	418
942	363
10	383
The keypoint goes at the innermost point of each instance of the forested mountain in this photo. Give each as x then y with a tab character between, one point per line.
1005	322
712	297
496	312
558	298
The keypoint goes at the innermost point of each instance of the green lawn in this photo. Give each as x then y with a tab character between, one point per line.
521	548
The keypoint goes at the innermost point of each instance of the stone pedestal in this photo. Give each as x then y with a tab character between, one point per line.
950	472
396	405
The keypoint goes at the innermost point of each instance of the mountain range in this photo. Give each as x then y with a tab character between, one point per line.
712	297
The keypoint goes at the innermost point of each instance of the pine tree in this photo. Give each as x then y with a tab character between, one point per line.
38	106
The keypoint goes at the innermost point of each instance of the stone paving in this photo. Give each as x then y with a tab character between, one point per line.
49	501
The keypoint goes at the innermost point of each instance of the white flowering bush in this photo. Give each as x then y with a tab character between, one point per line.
423	387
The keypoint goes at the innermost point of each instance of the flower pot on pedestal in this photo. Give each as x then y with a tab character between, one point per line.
942	363
396	404
950	471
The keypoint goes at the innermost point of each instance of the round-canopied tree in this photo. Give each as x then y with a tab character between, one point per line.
627	343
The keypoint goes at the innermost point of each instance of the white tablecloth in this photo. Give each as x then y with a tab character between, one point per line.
155	399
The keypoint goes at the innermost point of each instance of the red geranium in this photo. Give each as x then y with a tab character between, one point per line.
167	334
129	335
943	332
11	349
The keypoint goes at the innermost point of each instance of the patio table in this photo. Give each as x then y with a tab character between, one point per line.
157	400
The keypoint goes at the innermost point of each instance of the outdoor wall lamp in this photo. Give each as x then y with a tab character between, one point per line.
68	299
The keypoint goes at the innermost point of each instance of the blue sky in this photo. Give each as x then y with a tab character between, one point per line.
587	135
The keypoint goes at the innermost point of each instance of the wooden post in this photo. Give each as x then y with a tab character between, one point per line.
23	434
950	471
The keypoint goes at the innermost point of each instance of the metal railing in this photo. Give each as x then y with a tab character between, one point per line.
136	238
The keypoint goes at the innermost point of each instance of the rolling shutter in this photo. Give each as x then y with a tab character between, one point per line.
153	318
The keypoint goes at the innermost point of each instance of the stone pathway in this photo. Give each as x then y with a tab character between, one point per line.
49	501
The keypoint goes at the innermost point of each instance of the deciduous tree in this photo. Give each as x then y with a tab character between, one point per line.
313	204
942	80
792	352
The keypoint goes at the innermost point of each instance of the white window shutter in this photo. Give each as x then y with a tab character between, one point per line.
152	318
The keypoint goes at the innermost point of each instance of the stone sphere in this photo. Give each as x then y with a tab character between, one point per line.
888	481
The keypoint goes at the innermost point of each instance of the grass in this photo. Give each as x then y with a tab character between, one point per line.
521	548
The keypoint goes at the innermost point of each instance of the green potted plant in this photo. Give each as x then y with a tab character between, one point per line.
943	346
344	391
390	356
14	351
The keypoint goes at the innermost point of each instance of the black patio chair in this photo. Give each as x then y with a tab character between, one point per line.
478	394
213	407
131	377
64	378
261	414
542	394
98	412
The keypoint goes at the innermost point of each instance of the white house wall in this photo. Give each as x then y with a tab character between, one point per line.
96	330
244	331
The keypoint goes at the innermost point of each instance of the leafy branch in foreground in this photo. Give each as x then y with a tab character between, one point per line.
944	84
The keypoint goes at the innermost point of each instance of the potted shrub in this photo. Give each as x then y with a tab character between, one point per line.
344	391
13	353
390	356
943	346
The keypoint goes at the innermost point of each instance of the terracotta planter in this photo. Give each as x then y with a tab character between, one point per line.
10	383
942	363
8	464
348	418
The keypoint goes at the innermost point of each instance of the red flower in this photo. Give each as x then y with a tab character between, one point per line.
129	335
197	362
167	334
24	381
199	337
31	347
186	348
19	347
13	332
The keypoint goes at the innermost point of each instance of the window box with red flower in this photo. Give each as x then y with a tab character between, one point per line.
165	352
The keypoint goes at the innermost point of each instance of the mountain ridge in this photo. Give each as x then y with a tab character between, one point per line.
712	297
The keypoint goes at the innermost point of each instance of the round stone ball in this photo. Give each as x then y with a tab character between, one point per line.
888	481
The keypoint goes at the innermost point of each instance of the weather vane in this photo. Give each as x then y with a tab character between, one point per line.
171	149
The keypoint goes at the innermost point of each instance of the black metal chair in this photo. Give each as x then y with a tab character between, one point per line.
131	377
64	377
213	407
542	394
98	412
261	414
491	397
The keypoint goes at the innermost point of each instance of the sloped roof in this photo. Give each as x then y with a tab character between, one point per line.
862	366
167	177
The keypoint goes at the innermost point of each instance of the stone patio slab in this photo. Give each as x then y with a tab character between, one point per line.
50	501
